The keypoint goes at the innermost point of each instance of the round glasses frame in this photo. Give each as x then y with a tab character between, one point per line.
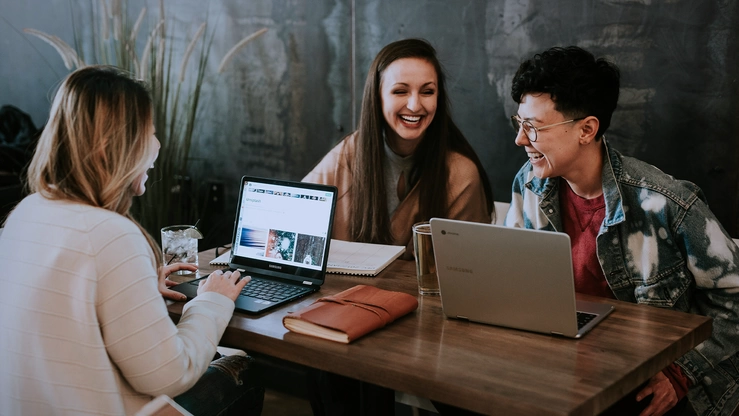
528	128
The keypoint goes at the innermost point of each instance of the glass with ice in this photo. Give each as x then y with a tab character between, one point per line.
180	245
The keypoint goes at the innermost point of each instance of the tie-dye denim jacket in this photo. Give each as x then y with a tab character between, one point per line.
659	245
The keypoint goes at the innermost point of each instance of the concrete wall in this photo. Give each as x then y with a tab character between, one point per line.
289	96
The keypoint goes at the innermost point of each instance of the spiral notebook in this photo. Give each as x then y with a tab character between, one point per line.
361	259
347	257
222	260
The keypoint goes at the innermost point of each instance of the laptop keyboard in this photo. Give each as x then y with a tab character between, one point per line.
269	290
583	318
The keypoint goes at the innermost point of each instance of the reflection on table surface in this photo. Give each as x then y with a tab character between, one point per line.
480	367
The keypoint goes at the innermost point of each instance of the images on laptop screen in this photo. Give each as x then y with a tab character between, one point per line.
284	225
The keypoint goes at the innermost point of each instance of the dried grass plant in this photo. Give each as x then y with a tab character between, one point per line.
175	91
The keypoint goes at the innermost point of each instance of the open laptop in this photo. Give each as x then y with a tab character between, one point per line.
281	239
512	277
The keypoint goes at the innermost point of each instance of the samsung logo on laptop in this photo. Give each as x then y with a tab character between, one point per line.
275	266
459	269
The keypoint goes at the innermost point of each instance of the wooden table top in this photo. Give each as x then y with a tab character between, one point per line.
479	367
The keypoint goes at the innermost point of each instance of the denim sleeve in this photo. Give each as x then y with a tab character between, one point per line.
515	215
713	259
524	211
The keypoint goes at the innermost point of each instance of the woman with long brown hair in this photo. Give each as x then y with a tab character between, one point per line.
83	325
407	161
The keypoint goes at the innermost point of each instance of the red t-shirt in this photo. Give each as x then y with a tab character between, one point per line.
581	219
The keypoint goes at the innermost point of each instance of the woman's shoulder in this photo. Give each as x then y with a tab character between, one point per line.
461	166
335	162
346	146
80	226
72	214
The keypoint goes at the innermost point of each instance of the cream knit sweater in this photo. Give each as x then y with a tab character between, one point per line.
83	328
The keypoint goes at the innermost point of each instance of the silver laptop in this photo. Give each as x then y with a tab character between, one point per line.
510	277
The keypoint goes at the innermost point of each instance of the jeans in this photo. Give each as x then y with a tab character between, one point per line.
225	389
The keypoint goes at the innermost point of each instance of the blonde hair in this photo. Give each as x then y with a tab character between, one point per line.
96	143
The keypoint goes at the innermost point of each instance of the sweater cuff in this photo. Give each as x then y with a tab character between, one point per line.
220	306
680	382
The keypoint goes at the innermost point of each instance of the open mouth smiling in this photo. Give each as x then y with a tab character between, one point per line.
534	156
411	119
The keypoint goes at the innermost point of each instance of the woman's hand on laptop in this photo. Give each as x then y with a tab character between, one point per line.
225	283
165	283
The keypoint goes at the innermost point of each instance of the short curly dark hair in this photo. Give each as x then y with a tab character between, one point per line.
579	84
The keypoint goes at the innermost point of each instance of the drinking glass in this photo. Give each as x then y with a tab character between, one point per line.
180	245
423	248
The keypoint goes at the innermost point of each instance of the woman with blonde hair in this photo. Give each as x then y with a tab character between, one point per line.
408	161
83	325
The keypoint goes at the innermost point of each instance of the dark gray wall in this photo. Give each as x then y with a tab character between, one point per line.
289	96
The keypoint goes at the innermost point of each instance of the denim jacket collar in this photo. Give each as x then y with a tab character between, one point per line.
548	189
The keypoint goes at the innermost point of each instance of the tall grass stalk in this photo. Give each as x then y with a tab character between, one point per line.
170	198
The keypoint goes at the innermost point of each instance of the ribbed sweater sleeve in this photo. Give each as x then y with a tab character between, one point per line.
154	356
83	328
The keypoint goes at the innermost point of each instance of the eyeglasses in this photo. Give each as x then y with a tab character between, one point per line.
530	130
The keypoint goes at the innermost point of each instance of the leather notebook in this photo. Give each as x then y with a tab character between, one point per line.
350	314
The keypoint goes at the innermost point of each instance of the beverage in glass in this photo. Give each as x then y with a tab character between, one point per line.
428	283
180	245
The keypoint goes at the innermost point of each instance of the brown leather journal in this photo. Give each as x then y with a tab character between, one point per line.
350	314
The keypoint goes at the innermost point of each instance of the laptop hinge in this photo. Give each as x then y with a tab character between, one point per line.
305	282
463	317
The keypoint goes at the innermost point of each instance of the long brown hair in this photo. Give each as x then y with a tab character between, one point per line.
370	220
96	142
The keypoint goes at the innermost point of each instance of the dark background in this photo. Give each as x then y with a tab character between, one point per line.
290	96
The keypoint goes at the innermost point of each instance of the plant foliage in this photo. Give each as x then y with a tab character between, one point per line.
176	93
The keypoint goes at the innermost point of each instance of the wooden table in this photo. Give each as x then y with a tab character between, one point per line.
483	368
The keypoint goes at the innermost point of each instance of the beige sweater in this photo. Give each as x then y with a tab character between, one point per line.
83	328
466	194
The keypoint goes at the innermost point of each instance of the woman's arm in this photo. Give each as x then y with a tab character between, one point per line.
152	354
466	198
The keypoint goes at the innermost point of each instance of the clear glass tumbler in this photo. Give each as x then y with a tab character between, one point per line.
180	245
423	248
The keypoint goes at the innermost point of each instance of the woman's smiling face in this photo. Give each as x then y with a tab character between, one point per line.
409	91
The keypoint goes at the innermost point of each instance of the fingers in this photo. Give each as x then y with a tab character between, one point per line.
227	283
243	282
646	391
170	283
663	395
172	295
171	268
220	273
227	274
655	409
235	276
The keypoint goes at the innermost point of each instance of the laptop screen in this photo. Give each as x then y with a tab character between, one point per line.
283	227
